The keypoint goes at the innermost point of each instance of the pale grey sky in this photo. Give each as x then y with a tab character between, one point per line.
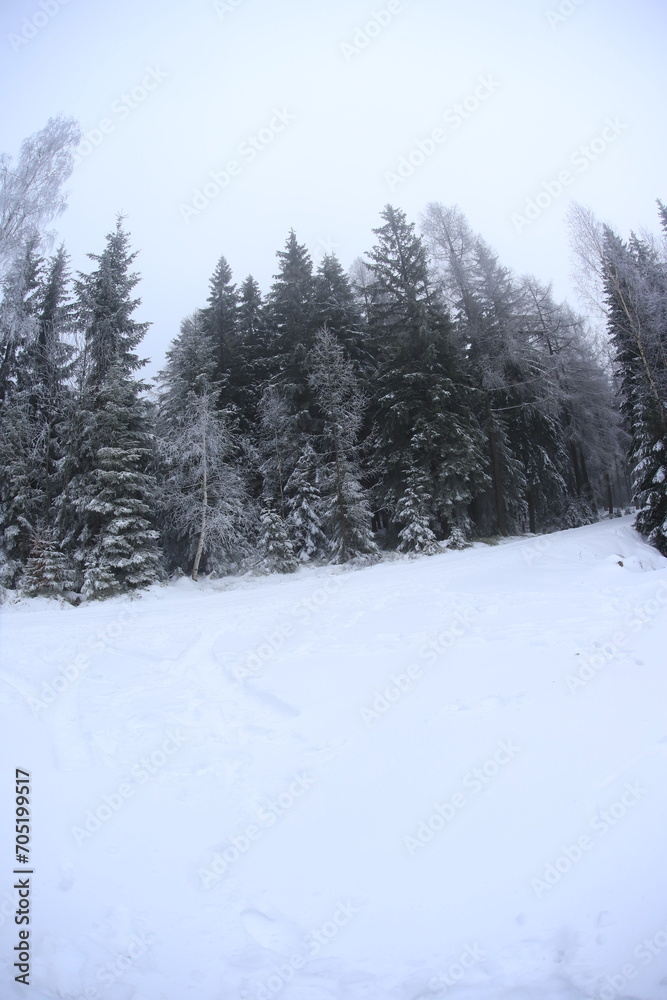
314	115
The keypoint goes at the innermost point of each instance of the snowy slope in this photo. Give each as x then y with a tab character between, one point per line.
434	777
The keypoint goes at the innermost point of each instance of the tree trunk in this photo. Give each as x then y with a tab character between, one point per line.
202	533
501	516
610	496
531	510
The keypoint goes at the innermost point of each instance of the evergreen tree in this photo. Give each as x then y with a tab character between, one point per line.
340	402
253	332
414	511
204	499
276	554
34	411
636	291
112	492
18	320
335	308
280	443
291	315
422	402
305	507
523	352
48	572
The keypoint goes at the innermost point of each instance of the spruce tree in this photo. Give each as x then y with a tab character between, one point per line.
291	316
414	511
347	515
34	412
305	507
204	503
422	400
336	308
112	491
276	553
636	290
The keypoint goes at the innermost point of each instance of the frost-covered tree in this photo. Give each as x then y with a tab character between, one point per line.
31	192
291	315
48	571
336	308
18	310
635	281
204	501
34	412
279	446
110	498
422	398
414	511
347	515
305	518
275	550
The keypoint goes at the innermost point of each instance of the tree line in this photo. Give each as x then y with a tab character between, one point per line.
425	398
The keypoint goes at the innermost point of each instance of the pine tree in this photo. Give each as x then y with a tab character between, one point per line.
335	308
636	290
34	410
48	572
414	511
112	492
524	353
291	315
422	397
225	318
115	499
255	344
276	554
18	320
204	505
280	443
305	507
340	402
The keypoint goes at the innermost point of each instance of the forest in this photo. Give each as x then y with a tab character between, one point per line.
423	399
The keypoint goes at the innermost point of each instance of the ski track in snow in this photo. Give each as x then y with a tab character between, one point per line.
303	818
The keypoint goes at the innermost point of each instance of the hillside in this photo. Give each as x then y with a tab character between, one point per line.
438	776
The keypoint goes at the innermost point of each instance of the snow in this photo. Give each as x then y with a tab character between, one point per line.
349	784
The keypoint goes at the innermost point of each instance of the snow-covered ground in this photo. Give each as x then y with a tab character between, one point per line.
439	776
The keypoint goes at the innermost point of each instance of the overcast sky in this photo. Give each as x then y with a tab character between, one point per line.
305	111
